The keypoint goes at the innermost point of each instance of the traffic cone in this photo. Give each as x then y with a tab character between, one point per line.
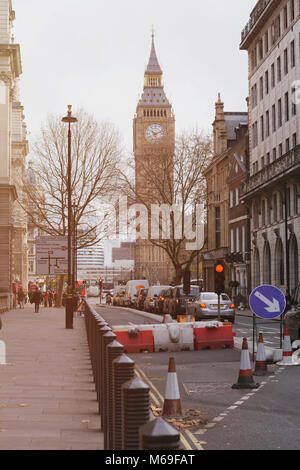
261	367
245	379
287	355
172	403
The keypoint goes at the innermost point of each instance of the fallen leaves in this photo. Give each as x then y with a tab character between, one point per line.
189	419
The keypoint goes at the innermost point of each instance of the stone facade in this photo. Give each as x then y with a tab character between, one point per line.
13	151
153	136
272	40
217	233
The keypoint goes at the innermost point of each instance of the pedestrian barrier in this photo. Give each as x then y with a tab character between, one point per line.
173	337
136	339
213	335
185	318
122	398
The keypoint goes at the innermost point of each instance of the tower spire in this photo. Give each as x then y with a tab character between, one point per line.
153	64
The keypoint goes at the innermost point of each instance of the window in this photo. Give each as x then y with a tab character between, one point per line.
262	128
273	75
232	241
237	196
268	161
279	69
287	145
294	106
263	212
254	135
279	113
275	208
243	240
292	9
280	150
293	62
267	124
262	162
267	41
287	107
285	17
218	227
231	199
294	140
274	154
267	82
261	88
237	241
286	61
260	49
273	118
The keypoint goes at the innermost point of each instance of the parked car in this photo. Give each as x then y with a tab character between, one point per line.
118	292
292	317
131	290
205	307
177	304
153	293
160	301
140	299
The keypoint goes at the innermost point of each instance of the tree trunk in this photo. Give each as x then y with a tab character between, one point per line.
177	279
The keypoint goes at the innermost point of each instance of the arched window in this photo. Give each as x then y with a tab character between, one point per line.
267	264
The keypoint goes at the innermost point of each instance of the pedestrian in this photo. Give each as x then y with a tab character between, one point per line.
37	298
46	297
21	298
50	299
108	300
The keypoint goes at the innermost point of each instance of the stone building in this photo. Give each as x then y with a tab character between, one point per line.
217	234
153	138
272	40
13	151
239	217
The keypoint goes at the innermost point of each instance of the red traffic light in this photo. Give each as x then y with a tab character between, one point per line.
219	268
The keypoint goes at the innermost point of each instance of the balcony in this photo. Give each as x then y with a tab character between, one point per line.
282	168
256	15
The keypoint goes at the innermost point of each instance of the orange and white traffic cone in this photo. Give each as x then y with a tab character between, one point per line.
287	355
245	379
172	402
261	367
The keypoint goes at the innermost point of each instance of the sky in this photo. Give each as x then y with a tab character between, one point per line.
93	54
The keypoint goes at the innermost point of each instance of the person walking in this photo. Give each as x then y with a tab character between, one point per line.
37	297
21	298
50	299
46	298
108	300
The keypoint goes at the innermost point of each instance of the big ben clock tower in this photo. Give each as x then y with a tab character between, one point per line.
153	135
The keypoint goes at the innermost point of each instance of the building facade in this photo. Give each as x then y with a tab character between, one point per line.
272	40
13	151
153	138
239	217
217	234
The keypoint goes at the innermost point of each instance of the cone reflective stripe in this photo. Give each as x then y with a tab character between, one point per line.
261	361
172	403
287	355
245	379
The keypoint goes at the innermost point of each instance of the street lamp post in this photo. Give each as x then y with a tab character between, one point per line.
69	119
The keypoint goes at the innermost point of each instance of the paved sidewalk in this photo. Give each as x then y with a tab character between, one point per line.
47	395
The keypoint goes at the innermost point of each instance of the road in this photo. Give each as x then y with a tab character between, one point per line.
267	418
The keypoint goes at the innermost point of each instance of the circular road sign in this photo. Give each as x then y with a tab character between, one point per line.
267	302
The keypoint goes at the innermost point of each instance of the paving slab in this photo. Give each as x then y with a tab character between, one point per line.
47	395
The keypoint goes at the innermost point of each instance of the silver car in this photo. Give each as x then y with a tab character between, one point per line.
205	307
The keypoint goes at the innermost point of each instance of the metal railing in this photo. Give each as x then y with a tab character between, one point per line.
123	399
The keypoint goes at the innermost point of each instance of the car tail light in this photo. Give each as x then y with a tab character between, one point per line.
163	299
203	305
150	299
232	306
177	301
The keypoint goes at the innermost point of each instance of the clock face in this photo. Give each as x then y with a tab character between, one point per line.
155	133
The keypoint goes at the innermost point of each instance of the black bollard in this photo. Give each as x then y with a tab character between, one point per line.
135	411
107	338
113	350
159	435
99	324
123	370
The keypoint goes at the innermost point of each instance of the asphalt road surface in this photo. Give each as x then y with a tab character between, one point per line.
267	418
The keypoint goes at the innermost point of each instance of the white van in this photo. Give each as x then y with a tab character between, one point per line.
131	290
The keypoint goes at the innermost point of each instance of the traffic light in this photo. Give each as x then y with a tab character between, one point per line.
219	277
100	283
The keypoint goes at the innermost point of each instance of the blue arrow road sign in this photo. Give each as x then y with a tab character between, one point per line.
267	302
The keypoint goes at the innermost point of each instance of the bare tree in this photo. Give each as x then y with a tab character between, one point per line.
96	153
173	180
